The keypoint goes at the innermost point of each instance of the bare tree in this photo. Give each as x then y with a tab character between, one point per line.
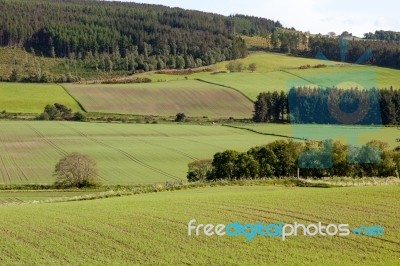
76	170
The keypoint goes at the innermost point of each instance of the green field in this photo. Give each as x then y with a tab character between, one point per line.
138	153
152	228
346	134
194	98
125	153
170	94
275	71
32	97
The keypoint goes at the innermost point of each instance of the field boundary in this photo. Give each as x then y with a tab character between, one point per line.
262	133
224	86
120	191
297	76
70	95
123	191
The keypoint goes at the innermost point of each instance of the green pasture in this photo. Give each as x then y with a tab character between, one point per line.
33	97
152	228
277	72
125	153
354	135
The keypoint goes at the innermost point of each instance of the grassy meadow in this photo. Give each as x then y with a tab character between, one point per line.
33	97
194	98
346	134
152	228
275	71
46	227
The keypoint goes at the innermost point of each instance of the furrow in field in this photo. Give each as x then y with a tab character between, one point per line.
97	234
21	174
5	170
247	212
129	242
194	98
249	209
156	145
22	239
45	240
191	140
11	201
59	150
126	154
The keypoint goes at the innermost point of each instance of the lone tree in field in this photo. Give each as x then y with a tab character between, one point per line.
76	170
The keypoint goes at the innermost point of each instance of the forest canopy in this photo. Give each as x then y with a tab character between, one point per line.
125	36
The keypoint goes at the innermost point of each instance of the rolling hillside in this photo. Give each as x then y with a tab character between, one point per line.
194	98
152	228
125	153
345	133
275	71
214	95
140	153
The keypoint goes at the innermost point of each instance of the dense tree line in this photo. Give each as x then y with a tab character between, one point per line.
283	158
116	36
110	36
381	53
329	106
285	41
271	107
253	26
383	35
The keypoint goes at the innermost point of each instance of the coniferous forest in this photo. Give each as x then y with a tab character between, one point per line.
329	106
125	36
118	36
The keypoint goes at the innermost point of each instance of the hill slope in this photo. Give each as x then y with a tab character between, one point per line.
106	36
275	71
125	153
194	98
152	228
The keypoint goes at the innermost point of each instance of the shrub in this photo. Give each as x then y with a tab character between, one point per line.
78	116
252	67
320	66
58	111
180	117
43	116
